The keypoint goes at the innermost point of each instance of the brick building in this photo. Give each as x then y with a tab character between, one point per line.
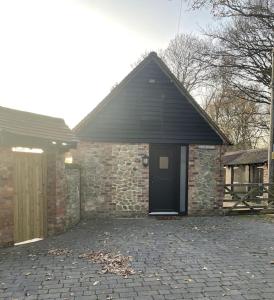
246	166
35	200
148	147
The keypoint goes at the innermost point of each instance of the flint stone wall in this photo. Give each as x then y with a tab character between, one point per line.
113	178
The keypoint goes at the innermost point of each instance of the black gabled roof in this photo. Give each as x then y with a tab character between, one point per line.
150	105
246	157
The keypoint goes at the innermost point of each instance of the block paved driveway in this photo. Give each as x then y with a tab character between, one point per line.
190	258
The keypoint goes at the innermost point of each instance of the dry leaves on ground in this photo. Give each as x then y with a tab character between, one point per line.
111	263
60	252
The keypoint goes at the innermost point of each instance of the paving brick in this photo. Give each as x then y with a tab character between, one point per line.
226	258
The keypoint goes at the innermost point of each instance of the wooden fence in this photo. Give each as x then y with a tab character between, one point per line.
249	197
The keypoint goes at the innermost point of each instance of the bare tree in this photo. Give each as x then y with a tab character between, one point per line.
262	10
241	56
243	121
181	56
242	46
242	50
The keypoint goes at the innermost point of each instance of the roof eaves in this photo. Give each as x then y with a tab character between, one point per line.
46	127
244	157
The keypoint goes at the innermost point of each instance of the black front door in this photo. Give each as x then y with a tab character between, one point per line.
164	170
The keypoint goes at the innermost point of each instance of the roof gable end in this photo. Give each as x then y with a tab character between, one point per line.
150	105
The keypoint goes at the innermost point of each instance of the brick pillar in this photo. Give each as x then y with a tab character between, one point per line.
265	170
6	197
56	193
205	179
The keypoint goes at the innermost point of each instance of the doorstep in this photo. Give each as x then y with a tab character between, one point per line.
164	213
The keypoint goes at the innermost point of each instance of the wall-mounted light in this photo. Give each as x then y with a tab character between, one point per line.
145	160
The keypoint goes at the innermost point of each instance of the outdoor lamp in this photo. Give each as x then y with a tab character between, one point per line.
145	160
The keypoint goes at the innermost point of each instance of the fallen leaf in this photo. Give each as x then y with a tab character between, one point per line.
48	278
59	252
112	263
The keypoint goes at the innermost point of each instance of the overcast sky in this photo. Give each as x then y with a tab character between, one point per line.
61	57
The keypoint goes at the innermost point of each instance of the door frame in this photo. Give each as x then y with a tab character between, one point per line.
185	213
179	178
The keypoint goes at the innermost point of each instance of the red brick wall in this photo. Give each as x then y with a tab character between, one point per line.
56	193
72	195
6	197
265	176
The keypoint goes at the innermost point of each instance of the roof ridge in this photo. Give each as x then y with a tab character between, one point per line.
244	151
30	113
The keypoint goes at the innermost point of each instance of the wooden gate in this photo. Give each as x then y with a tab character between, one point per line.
248	197
30	197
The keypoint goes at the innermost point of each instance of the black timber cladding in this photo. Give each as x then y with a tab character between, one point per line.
148	108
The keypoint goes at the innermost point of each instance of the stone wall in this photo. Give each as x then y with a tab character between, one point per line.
114	181
72	212
113	178
6	197
205	177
